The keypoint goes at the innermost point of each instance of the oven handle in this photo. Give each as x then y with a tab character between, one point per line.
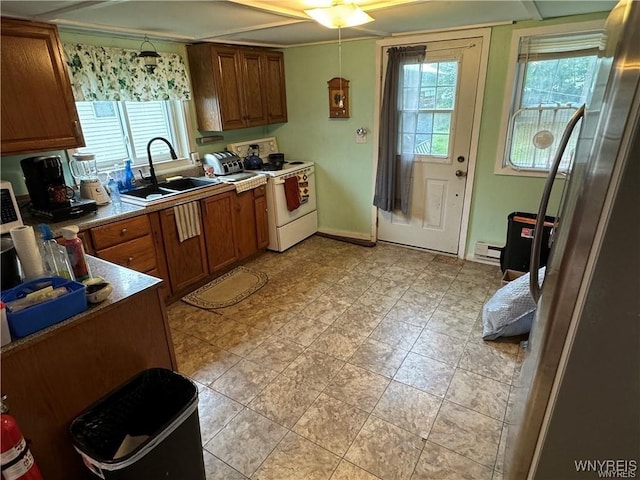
279	181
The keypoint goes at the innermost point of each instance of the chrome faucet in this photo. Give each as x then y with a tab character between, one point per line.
152	172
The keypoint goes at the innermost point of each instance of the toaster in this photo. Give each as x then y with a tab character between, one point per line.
224	163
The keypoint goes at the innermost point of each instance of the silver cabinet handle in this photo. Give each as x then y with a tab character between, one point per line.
534	263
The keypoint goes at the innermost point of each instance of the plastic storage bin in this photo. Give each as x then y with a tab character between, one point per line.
516	254
44	314
156	414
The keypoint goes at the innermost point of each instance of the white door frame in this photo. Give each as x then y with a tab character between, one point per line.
485	33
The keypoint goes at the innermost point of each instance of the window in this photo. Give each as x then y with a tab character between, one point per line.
428	99
553	74
118	131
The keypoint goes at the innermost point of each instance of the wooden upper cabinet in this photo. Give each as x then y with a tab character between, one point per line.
232	86
227	76
276	94
254	88
38	109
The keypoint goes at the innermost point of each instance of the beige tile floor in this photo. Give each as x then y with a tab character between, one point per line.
352	363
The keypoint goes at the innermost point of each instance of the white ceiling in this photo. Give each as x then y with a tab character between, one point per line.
281	23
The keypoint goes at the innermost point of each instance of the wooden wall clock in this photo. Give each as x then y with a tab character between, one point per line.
338	98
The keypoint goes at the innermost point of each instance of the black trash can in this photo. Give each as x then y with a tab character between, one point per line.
146	428
516	254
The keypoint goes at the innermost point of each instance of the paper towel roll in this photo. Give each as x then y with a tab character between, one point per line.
24	240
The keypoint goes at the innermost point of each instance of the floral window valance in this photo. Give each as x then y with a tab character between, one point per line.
118	74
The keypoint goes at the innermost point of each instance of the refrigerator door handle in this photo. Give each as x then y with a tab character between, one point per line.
534	283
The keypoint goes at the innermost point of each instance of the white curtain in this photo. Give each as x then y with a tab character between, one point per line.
118	74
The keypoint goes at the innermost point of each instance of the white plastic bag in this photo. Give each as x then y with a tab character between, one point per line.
511	309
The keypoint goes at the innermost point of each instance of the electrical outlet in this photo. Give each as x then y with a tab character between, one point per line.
361	138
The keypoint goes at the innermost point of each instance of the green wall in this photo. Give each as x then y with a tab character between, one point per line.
344	169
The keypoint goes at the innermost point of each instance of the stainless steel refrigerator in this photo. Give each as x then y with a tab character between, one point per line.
576	413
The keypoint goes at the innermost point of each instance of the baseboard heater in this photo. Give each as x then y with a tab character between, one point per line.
487	252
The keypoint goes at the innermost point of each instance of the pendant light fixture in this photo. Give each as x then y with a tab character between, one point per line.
150	57
340	14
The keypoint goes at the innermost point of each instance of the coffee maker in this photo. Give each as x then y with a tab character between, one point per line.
51	198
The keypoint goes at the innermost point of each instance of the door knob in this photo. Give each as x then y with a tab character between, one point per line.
460	173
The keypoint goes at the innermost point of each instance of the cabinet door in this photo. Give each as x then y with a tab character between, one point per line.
218	213
38	109
275	89
245	223
228	78
254	91
186	261
262	225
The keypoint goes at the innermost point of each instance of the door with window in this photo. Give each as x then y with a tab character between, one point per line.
439	129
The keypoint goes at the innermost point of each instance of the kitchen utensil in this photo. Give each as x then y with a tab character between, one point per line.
45	182
276	161
84	170
223	163
253	161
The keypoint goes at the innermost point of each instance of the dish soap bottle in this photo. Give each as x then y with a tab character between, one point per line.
75	249
129	177
56	260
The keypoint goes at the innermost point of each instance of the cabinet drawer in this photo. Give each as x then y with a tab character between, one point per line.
137	254
259	191
120	232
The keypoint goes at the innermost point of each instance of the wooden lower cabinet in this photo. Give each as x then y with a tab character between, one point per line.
186	261
262	221
245	216
134	243
51	379
220	236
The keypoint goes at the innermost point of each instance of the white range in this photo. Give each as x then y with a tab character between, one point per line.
286	227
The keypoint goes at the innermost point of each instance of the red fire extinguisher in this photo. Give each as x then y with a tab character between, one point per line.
15	456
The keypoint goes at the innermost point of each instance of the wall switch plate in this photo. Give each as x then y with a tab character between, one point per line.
361	138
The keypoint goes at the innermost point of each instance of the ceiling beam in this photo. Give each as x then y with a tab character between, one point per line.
531	8
253	28
74	7
125	32
271	8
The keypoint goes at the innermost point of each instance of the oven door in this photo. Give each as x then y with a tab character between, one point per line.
282	215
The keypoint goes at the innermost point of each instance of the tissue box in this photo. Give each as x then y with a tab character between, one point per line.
42	315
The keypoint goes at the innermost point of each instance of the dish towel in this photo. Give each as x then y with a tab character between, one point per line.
303	187
292	192
187	220
253	182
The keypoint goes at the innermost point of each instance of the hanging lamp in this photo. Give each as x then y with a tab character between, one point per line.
150	57
340	14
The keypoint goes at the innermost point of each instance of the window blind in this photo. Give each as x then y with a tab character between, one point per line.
545	47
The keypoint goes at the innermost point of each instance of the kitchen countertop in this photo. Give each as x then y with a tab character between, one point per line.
106	213
125	283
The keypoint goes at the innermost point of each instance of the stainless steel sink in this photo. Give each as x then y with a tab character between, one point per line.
189	183
150	195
